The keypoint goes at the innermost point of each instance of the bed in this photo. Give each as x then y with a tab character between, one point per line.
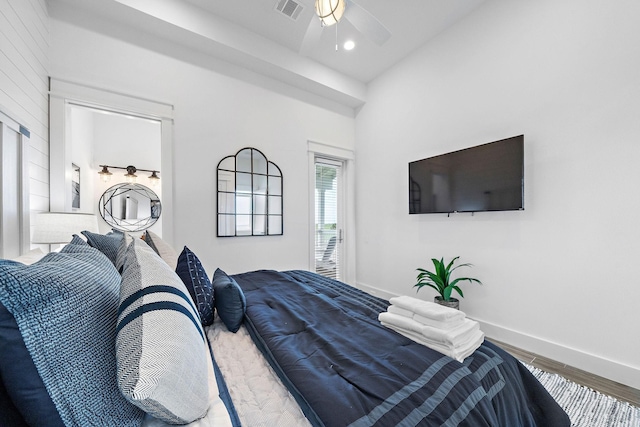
288	348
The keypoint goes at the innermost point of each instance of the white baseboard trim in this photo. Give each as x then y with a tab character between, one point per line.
612	370
380	293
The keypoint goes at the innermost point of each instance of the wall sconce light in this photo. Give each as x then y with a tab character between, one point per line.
105	175
154	179
130	176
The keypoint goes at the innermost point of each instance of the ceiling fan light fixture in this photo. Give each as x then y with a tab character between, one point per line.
330	11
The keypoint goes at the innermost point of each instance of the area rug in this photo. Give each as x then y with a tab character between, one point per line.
587	407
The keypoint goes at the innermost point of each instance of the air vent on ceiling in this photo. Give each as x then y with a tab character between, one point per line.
289	8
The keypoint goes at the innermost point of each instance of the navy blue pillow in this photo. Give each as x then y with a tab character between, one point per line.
9	414
195	278
229	300
21	380
108	243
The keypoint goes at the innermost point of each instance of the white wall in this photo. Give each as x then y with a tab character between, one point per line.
24	55
122	141
560	276
106	138
215	116
119	140
81	155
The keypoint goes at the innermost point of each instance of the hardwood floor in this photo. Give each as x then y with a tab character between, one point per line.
603	385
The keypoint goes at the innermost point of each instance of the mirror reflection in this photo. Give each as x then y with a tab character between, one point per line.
130	207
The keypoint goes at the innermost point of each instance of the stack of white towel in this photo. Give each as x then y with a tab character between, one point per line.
441	328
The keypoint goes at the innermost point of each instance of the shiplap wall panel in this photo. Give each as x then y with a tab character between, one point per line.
30	46
33	14
24	85
20	88
24	76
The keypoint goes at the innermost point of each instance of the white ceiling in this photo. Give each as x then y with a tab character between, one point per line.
253	34
411	22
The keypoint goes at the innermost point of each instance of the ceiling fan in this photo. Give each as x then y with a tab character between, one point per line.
331	12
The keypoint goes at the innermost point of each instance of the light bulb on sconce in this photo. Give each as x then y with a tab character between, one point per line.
131	176
154	179
105	175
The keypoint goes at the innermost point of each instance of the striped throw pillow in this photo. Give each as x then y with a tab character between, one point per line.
160	344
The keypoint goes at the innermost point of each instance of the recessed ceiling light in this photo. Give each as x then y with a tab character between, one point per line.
349	45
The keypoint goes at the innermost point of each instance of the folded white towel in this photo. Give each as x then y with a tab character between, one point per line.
451	338
400	311
445	325
459	353
427	309
400	321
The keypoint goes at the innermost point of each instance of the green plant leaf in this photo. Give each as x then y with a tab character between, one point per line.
440	280
458	290
470	279
427	284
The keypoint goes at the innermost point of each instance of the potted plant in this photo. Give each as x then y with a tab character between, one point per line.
441	281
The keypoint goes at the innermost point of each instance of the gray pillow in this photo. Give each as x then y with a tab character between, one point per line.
108	243
160	345
162	248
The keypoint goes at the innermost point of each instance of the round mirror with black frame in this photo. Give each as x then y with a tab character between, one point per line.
130	207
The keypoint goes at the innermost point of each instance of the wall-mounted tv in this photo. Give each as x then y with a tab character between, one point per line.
488	177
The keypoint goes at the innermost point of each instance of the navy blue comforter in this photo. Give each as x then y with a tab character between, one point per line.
324	340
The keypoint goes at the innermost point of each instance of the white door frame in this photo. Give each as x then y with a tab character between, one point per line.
17	217
347	157
61	94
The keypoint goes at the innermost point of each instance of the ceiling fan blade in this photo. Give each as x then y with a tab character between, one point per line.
311	36
366	23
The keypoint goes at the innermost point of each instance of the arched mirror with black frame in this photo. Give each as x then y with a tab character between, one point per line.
249	195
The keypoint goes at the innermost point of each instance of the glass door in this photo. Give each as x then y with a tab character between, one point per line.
328	217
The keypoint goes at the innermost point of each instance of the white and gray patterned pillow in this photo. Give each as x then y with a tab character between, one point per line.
160	345
162	248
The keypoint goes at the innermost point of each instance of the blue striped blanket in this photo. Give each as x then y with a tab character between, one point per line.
325	342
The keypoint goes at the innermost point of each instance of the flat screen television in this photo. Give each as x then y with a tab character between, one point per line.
488	177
